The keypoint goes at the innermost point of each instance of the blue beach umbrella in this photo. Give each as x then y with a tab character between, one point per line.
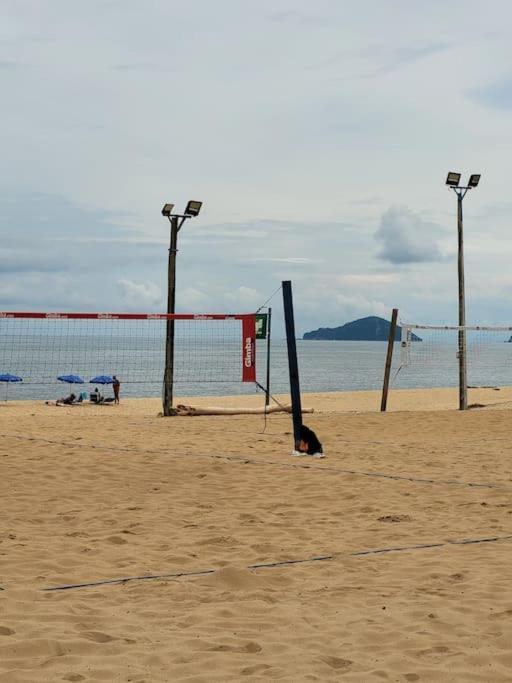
70	379
101	379
8	378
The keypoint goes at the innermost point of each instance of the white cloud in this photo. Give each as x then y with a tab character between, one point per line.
192	300
371	279
359	305
406	237
244	297
143	293
294	260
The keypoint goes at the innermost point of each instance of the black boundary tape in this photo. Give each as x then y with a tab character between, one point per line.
278	463
282	563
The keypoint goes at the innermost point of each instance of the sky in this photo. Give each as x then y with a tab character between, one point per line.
317	135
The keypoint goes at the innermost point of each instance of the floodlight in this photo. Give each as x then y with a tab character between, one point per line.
453	179
167	210
474	180
193	208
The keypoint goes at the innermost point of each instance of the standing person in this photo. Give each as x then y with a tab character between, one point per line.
116	384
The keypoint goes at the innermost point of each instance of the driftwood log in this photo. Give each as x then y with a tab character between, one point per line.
200	410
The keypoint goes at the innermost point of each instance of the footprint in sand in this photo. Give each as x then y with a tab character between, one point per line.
250	647
98	637
5	631
116	540
497	615
459	576
337	663
394	518
258	668
437	650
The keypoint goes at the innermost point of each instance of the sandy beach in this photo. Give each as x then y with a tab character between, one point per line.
366	572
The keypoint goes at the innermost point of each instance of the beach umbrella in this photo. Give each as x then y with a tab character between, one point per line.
8	378
102	379
70	379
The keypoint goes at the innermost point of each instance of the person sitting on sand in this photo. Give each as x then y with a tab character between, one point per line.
96	397
309	443
66	401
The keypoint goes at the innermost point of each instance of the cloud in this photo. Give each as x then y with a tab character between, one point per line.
497	95
137	66
28	260
293	260
371	279
301	19
244	296
401	57
359	305
140	293
6	64
192	299
42	216
228	232
406	238
381	59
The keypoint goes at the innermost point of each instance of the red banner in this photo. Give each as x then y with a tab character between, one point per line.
249	348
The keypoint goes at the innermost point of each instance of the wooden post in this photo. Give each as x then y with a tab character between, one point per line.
389	359
293	365
171	304
463	375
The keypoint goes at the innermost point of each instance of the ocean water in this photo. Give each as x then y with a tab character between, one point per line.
323	366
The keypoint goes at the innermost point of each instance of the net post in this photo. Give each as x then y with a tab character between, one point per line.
293	366
171	304
267	389
389	359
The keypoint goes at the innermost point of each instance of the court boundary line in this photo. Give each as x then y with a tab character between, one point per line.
254	461
279	563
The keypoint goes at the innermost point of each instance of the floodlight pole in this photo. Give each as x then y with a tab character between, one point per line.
171	308
463	371
452	180
176	220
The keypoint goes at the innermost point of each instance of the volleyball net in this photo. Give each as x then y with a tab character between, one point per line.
433	351
211	349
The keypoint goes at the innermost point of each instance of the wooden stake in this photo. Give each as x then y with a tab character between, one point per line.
389	358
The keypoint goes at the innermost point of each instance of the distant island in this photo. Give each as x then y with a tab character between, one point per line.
371	328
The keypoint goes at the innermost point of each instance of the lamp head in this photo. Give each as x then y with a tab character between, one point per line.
474	180
167	210
453	179
193	208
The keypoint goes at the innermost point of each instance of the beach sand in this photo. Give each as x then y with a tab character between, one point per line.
95	493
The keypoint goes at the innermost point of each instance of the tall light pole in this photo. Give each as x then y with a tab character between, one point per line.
453	180
176	220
